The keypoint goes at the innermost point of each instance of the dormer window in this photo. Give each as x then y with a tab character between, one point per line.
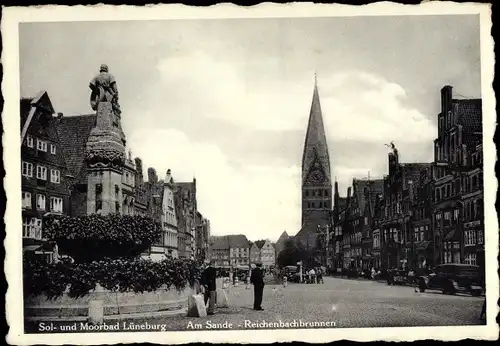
29	141
41	145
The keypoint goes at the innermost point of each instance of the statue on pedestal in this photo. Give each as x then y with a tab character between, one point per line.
104	89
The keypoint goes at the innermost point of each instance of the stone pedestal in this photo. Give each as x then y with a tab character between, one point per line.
96	312
222	301
196	306
105	157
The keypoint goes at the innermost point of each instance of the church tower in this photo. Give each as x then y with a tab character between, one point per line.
316	178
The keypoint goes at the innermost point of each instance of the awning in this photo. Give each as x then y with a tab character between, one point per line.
423	245
31	248
451	235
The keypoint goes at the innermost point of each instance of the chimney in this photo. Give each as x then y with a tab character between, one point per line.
152	177
446	98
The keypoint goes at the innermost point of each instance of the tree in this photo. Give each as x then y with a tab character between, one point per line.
94	237
291	253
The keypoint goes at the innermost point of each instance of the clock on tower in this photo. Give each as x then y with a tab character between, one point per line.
317	177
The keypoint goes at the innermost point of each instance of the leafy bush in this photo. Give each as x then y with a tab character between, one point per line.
122	275
94	237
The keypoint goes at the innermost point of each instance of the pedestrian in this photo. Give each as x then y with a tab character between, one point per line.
257	280
312	276
373	273
208	281
320	276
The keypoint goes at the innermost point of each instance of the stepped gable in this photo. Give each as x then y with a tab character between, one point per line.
412	171
73	133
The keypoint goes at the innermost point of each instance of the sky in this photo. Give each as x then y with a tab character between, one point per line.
227	101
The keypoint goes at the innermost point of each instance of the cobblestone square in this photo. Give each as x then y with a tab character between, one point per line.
348	303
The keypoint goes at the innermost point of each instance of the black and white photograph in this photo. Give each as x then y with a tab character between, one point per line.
214	172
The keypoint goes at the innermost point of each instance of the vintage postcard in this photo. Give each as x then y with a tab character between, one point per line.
274	173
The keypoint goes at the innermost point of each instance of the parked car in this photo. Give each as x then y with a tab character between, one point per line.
453	278
397	277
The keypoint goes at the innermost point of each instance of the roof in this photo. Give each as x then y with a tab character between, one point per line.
73	133
25	109
185	186
367	188
260	243
239	241
229	241
315	145
469	113
412	171
220	243
283	237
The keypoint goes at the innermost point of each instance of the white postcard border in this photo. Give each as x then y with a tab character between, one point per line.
10	87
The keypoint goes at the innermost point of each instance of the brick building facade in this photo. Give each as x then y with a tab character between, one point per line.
44	179
422	214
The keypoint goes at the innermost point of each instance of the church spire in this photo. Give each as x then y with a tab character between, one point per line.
315	146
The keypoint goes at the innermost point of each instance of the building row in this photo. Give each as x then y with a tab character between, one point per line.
419	214
76	165
236	251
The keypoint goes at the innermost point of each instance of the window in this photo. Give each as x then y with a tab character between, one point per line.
41	172
29	141
422	237
56	204
470	259
26	196
55	176
32	228
470	238
366	220
41	145
455	214
27	169
40	202
53	149
480	237
447	215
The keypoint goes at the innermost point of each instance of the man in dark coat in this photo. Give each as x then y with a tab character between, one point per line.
257	280
208	280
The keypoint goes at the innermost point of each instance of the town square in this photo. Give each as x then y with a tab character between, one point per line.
253	174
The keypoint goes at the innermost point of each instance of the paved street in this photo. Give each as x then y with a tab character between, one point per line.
348	303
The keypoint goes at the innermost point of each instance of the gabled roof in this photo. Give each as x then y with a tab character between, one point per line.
73	133
25	110
260	243
238	241
220	243
282	237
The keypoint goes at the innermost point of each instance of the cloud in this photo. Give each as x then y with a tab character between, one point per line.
255	200
356	105
362	106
